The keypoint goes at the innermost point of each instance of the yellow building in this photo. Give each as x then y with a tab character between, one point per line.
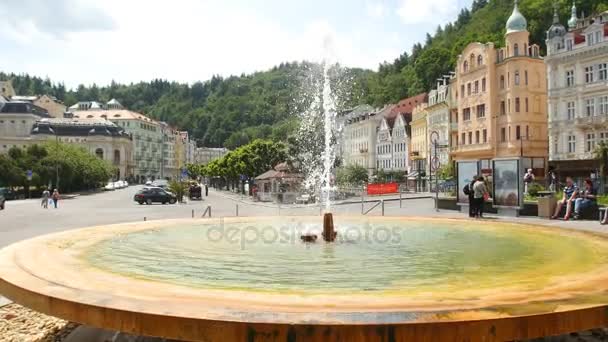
419	143
501	100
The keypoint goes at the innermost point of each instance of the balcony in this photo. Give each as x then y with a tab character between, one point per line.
592	121
471	147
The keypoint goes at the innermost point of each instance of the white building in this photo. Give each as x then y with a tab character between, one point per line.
393	141
438	120
577	69
205	155
358	137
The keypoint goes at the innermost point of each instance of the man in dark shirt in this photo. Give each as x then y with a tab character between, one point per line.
588	198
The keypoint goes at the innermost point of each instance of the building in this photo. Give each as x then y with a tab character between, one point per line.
16	121
148	138
358	137
385	137
6	89
205	155
577	69
189	147
438	121
55	108
501	100
102	138
419	142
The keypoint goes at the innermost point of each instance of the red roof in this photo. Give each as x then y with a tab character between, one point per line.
406	106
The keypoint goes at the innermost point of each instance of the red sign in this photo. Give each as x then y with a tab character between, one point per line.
382	188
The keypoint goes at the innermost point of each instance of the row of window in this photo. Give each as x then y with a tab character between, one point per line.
359	132
593	73
480	112
506	107
516	79
593	106
591	141
481	137
384	149
504	137
473	87
387	164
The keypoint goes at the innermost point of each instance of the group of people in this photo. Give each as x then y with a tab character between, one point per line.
47	197
575	199
478	194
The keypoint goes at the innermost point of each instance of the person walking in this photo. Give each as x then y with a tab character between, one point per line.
528	179
55	198
206	190
480	192
570	194
588	198
552	179
468	190
45	198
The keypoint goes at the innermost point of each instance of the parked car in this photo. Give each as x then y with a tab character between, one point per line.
111	186
149	182
151	195
8	194
2	201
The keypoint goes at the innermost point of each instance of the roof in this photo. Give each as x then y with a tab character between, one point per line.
24	98
112	114
78	127
517	22
406	106
24	107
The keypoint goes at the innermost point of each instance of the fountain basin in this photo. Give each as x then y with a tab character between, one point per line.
250	279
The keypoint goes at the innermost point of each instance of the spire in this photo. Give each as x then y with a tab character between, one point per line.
557	29
573	18
555	14
516	22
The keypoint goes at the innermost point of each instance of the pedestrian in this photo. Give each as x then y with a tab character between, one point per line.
468	190
570	194
528	179
480	193
55	197
552	179
588	198
45	198
206	190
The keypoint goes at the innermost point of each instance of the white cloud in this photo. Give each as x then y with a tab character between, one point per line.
375	9
427	11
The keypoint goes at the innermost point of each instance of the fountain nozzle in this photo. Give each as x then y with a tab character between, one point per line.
329	233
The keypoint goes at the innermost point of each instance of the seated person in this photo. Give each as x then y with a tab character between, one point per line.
587	199
570	194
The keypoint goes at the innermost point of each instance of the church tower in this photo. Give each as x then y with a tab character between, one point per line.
517	36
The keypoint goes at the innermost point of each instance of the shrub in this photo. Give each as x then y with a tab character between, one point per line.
534	188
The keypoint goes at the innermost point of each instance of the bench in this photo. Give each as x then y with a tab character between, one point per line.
589	213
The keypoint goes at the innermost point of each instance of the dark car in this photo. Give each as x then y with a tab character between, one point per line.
154	195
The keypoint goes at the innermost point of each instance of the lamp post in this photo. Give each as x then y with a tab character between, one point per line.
57	159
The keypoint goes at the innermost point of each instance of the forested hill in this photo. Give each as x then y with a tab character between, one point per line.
235	110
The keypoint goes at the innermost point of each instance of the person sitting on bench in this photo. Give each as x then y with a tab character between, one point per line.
570	194
587	199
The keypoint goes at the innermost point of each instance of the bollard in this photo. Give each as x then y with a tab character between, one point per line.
192	213
209	207
362	208
382	202
400	201
237	210
144	219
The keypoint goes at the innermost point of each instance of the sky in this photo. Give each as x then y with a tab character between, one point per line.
95	41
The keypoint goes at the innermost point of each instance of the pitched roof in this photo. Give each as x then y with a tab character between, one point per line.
112	114
406	106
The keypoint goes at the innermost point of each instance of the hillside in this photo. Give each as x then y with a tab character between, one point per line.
235	110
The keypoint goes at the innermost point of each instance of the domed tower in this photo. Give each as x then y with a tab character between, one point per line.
517	36
556	33
573	18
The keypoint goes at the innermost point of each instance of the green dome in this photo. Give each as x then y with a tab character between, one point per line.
516	22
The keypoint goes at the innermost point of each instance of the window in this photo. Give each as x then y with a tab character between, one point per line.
571	110
485	135
463	139
517	78
570	78
602	107
503	134
483	84
466	114
602	73
590	107
526	76
479	60
515	50
469	89
527	106
571	144
503	109
589	74
470	138
517	105
476	87
590	145
509	105
589	39
502	81
569	44
477	137
481	111
517	132
465	66
462	89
